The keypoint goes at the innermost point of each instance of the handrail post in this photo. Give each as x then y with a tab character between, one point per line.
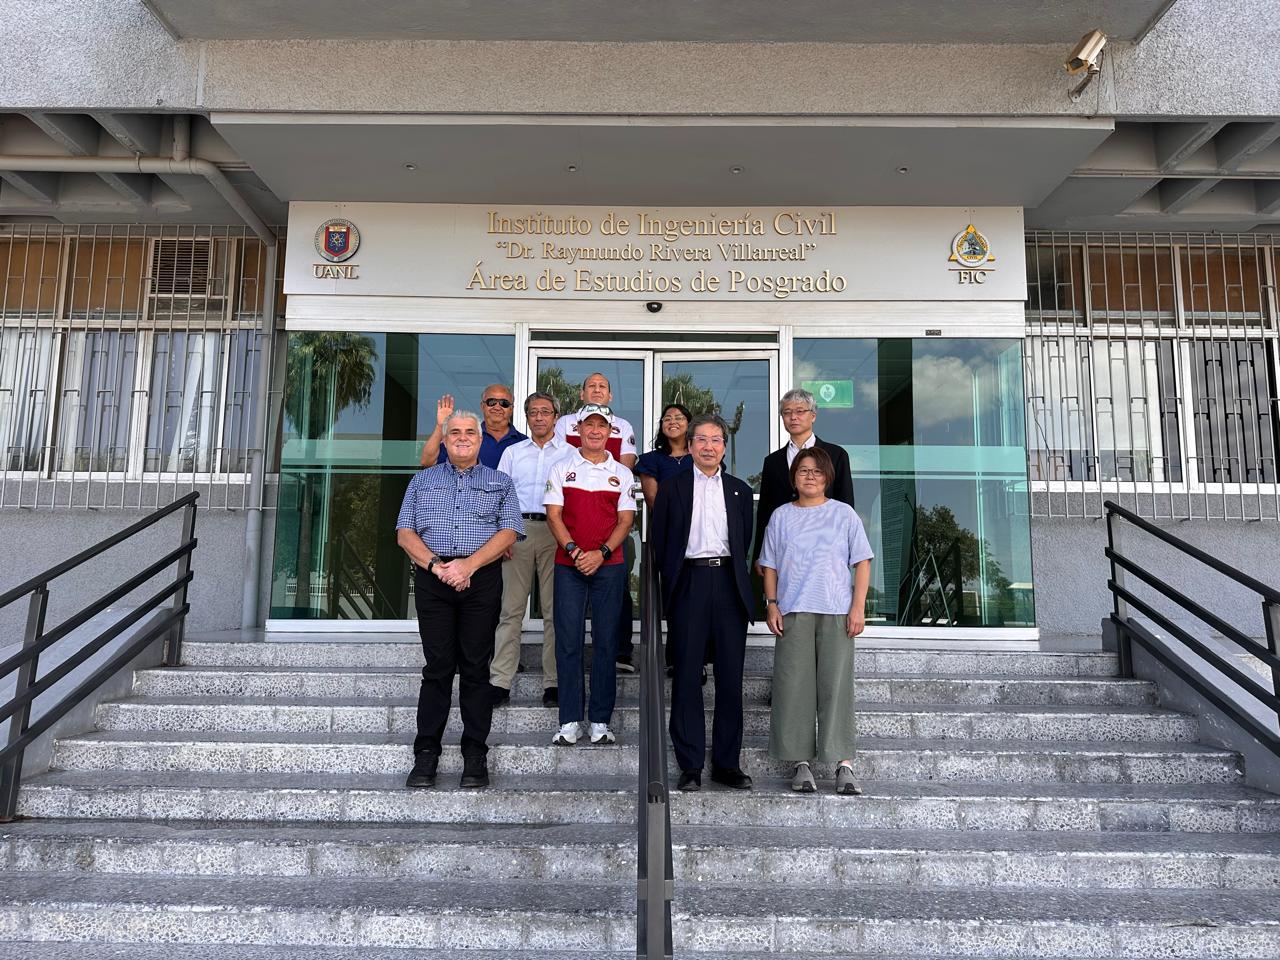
173	643
1271	618
1120	606
11	772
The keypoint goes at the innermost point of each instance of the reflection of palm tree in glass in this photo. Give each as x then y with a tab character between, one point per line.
681	389
325	374
939	538
568	395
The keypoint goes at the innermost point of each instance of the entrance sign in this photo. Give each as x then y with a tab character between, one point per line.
776	255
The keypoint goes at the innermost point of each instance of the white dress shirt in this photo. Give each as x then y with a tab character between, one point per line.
709	527
528	464
793	450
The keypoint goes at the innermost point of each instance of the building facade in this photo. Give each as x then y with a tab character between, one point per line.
249	260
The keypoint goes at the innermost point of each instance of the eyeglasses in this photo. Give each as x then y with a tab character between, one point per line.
675	419
502	402
716	441
796	411
810	474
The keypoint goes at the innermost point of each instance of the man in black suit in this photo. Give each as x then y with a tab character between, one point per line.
799	410
701	522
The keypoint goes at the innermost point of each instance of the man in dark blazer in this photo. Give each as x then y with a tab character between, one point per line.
700	529
798	410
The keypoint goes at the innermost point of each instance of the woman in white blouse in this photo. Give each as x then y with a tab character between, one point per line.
815	609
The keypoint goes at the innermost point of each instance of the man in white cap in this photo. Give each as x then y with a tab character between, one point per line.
590	508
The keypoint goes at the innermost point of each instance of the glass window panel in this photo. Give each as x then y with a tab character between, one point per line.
1234	389
1136	410
357	408
1222	284
244	353
29	276
26	373
1055	281
1131	283
936	439
106	277
96	400
739	391
183	402
1059	409
562	377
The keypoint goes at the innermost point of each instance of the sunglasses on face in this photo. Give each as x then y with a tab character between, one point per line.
497	402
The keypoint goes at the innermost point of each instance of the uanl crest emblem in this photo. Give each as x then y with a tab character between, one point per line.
337	240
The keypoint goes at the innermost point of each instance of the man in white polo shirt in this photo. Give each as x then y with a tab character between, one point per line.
527	463
590	509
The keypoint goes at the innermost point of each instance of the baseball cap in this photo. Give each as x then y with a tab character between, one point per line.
595	409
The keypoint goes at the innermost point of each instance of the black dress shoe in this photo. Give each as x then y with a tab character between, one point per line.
731	777
498	695
475	773
423	773
551	697
690	780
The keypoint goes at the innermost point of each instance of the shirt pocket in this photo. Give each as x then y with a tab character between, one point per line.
486	501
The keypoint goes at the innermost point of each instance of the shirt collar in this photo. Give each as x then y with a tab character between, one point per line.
699	475
603	463
813	438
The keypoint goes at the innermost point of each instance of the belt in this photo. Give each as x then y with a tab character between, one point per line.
708	561
534	516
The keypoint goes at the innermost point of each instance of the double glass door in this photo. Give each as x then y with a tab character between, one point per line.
740	385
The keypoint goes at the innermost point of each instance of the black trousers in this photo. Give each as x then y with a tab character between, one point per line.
457	631
706	609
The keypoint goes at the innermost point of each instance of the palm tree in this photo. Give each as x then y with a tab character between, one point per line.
325	373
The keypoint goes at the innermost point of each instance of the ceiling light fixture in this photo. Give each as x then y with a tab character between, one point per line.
411	166
735	170
904	169
571	168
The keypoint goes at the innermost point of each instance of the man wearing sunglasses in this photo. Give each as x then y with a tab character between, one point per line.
496	405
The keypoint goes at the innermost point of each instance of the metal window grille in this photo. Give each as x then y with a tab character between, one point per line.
129	359
1151	374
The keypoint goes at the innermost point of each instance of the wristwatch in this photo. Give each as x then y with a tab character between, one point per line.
431	563
571	548
770	600
606	551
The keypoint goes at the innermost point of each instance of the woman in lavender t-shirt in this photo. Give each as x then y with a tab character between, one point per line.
815	609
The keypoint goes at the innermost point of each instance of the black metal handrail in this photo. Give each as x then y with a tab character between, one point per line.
1129	630
654	874
36	639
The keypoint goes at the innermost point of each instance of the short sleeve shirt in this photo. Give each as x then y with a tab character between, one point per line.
812	549
659	464
528	464
592	495
455	512
622	436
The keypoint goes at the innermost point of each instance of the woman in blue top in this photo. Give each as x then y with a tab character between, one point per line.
670	453
815	609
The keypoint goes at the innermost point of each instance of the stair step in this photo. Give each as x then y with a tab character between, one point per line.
1007	761
376	715
593	917
72	950
402	682
408	653
701	854
179	795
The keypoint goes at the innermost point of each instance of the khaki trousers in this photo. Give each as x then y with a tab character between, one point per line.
536	552
812	716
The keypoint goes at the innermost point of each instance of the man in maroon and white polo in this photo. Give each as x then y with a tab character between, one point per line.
590	509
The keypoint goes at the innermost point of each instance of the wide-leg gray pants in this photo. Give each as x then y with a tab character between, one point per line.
813	696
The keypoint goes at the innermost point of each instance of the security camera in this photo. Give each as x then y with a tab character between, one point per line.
1087	53
653	306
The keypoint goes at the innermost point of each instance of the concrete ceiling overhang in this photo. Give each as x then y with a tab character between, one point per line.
830	21
663	161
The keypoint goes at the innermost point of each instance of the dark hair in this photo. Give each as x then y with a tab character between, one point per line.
702	419
821	460
660	441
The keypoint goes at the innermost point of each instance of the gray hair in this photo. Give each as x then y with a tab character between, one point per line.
797	395
461	415
714	419
539	395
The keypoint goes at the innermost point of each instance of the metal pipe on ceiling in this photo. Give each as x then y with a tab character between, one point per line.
191	167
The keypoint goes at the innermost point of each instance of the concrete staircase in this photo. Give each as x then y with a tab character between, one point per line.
251	805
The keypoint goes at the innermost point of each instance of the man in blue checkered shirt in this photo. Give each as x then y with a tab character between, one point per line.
458	520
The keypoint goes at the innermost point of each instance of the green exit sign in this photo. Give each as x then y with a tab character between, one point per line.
830	393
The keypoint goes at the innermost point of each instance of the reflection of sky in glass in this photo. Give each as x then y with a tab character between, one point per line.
732	382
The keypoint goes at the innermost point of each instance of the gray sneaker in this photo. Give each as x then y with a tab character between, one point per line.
803	781
845	783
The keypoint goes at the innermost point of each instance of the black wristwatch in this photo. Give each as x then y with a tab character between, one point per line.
431	563
605	551
570	548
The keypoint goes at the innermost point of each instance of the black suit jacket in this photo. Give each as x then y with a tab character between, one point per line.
669	532
776	489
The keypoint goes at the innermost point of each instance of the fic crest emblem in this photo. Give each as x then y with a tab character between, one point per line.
971	249
337	240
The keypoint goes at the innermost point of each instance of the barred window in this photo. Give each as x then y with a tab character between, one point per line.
129	350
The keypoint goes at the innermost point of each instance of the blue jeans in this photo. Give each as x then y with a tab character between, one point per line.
572	592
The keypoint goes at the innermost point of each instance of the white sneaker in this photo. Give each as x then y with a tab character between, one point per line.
600	733
567	735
